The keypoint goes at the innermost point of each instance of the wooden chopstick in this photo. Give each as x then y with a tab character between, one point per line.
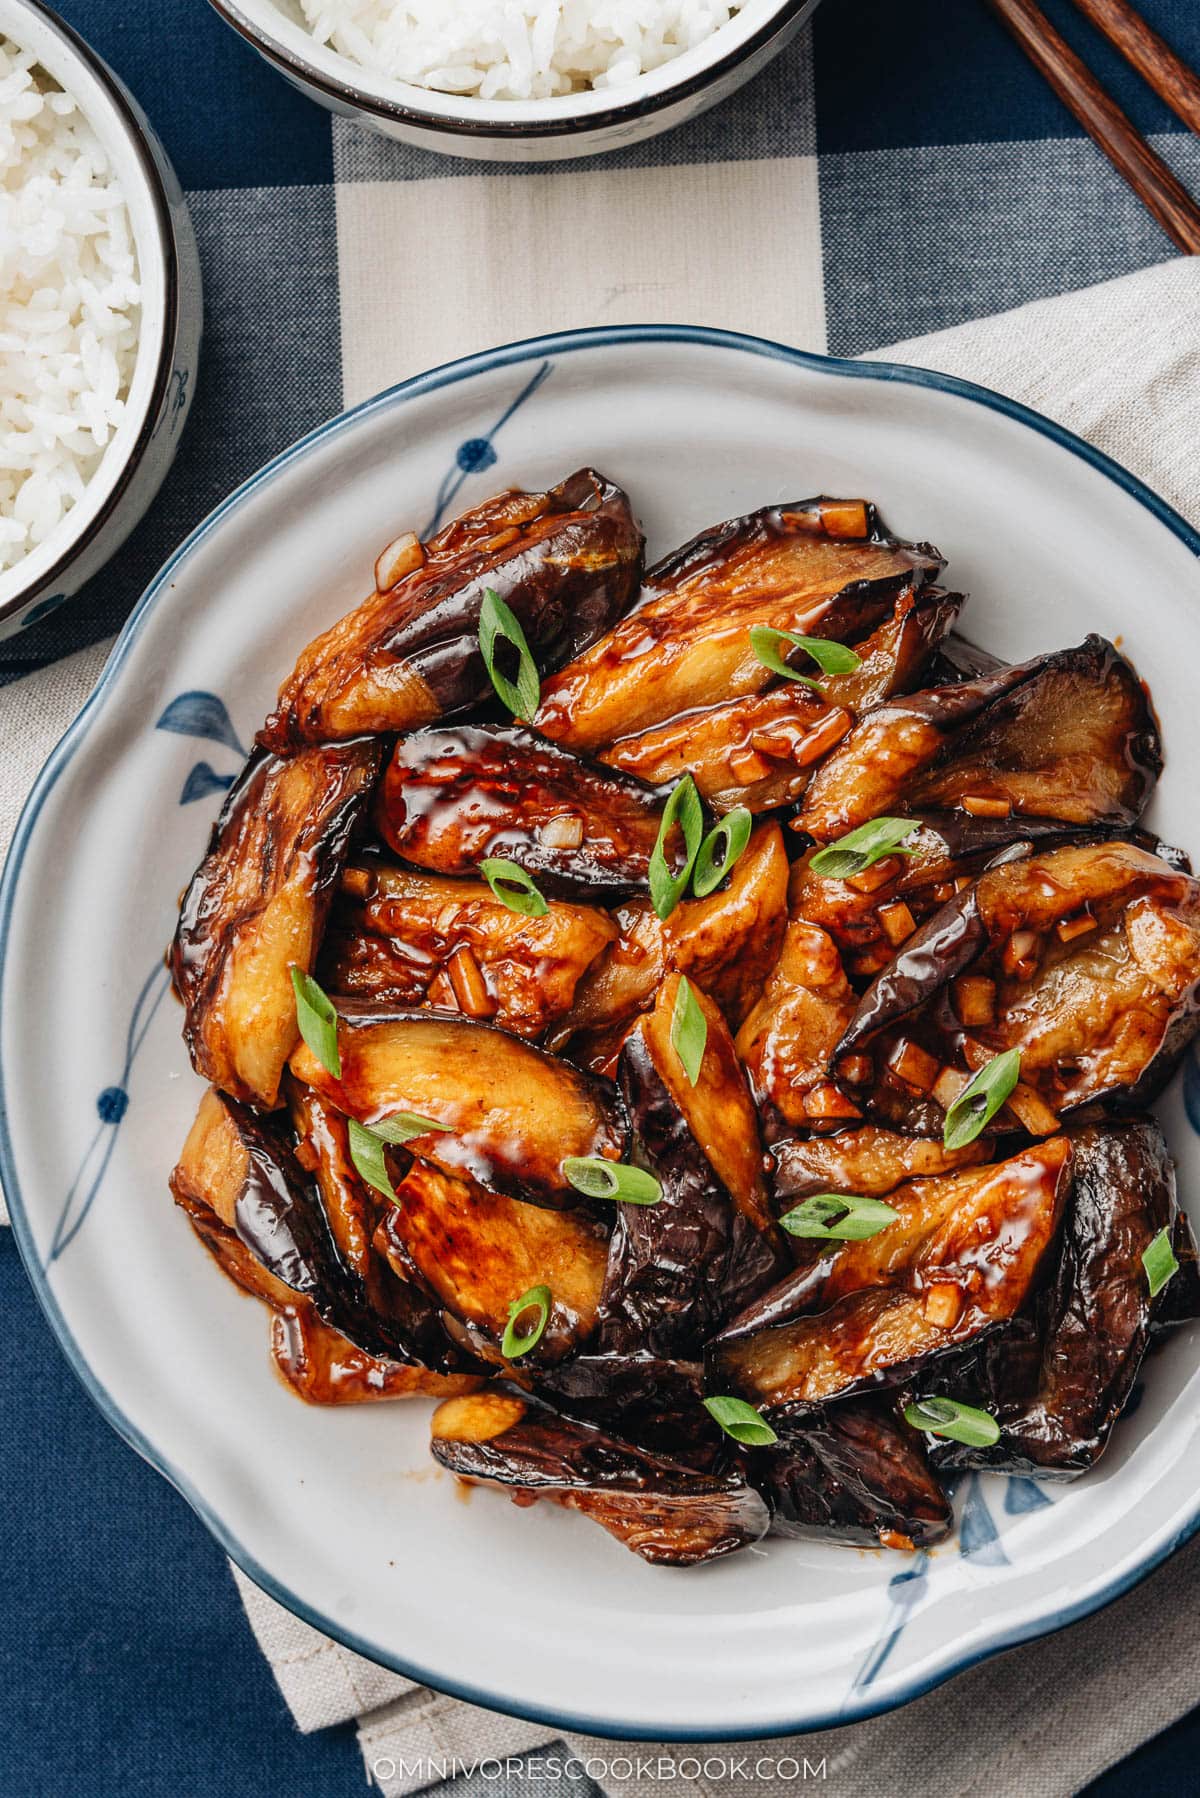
1150	55
1160	191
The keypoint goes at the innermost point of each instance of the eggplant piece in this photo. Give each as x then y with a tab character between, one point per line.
856	1475
642	1398
510	1114
1084	958
400	938
786	1042
965	1257
866	1160
1058	1396
566	562
761	751
662	1509
726	943
322	1368
451	798
477	1251
822	567
679	1268
256	908
1068	736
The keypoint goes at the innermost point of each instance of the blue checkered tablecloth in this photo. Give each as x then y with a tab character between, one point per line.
898	170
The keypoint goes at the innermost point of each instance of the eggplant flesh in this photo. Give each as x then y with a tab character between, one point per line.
256	908
853	1475
863	1159
820	567
509	1113
963	1259
1068	736
452	798
1058	1394
322	1368
662	1509
786	1043
403	938
566	562
677	1269
1086	959
477	1252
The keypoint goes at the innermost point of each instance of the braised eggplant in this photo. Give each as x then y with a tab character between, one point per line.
662	1509
857	1475
1057	1394
786	1042
863	1158
1068	736
322	1368
964	1258
567	563
256	908
451	799
403	938
823	567
678	1269
1085	959
509	1114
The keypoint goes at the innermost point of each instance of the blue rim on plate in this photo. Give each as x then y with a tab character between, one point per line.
511	355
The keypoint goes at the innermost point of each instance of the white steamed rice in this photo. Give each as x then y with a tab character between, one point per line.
68	304
514	49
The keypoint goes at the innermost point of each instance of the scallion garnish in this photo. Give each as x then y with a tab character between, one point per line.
317	1021
499	621
830	657
401	1126
846	1219
368	1152
513	887
720	850
515	1343
1159	1262
741	1421
682	808
860	849
981	1098
689	1030
958	1423
615	1180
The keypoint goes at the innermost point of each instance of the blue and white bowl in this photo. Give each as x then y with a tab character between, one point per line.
341	1514
581	124
164	377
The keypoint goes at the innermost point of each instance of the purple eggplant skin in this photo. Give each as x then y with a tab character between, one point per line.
643	1399
855	1475
663	1509
451	798
1068	736
568	563
677	1269
1058	1392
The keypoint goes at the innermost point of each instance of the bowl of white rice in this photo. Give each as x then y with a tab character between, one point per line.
100	314
518	80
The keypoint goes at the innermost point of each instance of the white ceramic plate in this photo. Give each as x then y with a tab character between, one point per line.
341	1514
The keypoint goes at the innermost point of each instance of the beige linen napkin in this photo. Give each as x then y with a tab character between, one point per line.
1119	364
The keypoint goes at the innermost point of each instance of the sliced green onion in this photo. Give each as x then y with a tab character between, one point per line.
847	1219
958	1423
830	657
1159	1262
497	620
689	1030
513	887
981	1098
720	850
401	1126
616	1180
515	1343
682	808
860	849
317	1021
368	1152
741	1421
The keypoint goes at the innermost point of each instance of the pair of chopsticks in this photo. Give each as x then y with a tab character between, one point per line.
1159	190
